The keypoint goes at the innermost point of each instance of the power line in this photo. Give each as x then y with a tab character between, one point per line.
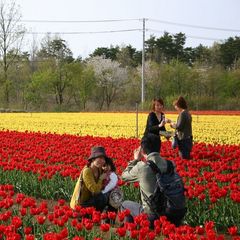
195	26
94	32
81	21
122	30
117	31
129	19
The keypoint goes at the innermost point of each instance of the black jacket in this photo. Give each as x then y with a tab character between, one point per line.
152	124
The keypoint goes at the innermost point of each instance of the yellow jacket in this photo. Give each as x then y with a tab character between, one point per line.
85	187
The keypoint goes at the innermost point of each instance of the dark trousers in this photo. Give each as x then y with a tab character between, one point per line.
185	147
99	201
175	216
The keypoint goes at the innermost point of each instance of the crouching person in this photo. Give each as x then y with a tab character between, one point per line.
139	170
87	191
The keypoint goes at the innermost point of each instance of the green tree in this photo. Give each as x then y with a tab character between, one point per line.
154	80
19	74
202	55
82	83
167	48
57	52
179	40
109	53
176	77
129	56
231	83
131	93
230	52
38	89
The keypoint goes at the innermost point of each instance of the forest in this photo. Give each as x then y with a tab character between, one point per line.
49	78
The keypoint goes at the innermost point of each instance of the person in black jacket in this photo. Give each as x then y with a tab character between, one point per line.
156	120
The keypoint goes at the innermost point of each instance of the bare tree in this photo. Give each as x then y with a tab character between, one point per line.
11	36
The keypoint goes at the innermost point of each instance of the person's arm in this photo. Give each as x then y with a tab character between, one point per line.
162	128
112	183
130	174
173	124
181	121
89	181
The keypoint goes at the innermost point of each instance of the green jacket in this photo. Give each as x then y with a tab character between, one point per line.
85	187
139	171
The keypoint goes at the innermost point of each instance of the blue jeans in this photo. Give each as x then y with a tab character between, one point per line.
185	147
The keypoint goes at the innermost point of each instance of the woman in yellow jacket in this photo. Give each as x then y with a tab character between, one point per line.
87	192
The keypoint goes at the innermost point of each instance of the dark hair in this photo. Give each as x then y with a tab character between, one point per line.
181	103
110	163
90	161
159	100
150	143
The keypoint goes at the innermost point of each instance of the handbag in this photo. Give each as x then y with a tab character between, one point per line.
175	142
116	197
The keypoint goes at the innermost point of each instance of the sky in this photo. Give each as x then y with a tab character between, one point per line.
219	19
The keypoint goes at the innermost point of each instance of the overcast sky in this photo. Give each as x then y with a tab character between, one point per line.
213	14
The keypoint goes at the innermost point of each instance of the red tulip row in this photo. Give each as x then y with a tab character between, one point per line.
23	217
42	164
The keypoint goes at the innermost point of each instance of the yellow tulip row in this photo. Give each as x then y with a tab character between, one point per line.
220	129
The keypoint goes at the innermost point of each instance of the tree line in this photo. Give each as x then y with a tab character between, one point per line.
49	78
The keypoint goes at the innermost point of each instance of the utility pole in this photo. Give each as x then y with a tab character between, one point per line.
143	64
136	119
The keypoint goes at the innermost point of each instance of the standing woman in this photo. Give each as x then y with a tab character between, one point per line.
183	128
87	192
156	119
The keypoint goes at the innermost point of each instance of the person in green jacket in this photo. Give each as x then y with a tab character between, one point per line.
87	192
139	171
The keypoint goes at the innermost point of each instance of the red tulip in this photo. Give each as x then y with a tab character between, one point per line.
16	222
134	234
29	237
27	230
78	238
41	219
112	215
233	230
121	231
105	227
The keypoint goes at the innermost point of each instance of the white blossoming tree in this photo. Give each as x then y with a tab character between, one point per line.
110	77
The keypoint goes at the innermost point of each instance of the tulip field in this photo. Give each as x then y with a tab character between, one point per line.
42	154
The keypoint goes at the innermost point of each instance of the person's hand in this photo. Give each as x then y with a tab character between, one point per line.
167	120
162	123
137	153
103	176
173	125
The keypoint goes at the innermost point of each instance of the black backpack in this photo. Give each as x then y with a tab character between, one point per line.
169	190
